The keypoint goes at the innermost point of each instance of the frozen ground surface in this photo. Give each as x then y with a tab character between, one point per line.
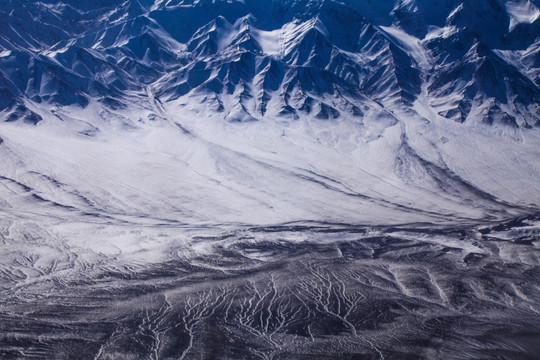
159	233
317	291
151	164
177	239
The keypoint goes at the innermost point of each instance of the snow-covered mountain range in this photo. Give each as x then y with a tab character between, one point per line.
269	179
263	112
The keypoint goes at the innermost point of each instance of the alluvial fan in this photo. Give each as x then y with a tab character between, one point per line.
281	179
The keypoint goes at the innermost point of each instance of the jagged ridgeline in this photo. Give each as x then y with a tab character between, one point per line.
475	61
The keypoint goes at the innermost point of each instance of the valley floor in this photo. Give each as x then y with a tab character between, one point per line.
294	291
150	233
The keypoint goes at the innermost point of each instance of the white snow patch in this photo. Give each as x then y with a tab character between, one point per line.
410	44
270	41
521	11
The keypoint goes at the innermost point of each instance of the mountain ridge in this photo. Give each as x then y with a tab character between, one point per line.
274	111
129	36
